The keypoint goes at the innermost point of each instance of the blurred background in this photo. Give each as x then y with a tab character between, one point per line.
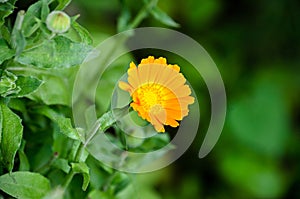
255	45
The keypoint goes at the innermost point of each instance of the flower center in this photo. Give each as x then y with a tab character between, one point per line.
150	95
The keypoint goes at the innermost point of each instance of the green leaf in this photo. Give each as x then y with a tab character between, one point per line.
11	135
83	33
119	182
27	85
124	18
106	121
5	52
5	34
62	164
6	9
74	150
8	83
83	169
61	144
62	4
161	16
63	123
30	23
25	185
44	10
98	174
17	37
17	86
17	104
96	194
24	163
54	90
60	52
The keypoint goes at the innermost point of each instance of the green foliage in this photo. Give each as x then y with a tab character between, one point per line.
99	194
6	8
41	151
5	51
118	182
163	17
23	184
8	84
18	40
11	135
24	163
62	164
62	4
57	53
17	86
27	85
64	124
83	169
30	23
56	85
124	17
83	34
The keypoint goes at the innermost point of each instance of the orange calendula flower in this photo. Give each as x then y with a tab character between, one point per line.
158	91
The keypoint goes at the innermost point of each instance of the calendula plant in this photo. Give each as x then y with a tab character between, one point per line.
41	150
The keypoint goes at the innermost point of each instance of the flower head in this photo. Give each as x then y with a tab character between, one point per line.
158	92
58	22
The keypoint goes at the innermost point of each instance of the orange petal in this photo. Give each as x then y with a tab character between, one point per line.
133	77
148	60
144	72
132	65
175	114
125	86
172	122
157	124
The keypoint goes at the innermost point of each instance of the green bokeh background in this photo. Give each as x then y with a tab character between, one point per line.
255	45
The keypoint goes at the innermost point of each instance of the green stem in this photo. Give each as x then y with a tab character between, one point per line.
80	152
104	122
142	14
68	179
19	20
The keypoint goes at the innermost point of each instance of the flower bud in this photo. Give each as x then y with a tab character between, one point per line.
58	22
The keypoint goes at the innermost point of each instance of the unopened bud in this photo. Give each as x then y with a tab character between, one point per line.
58	22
